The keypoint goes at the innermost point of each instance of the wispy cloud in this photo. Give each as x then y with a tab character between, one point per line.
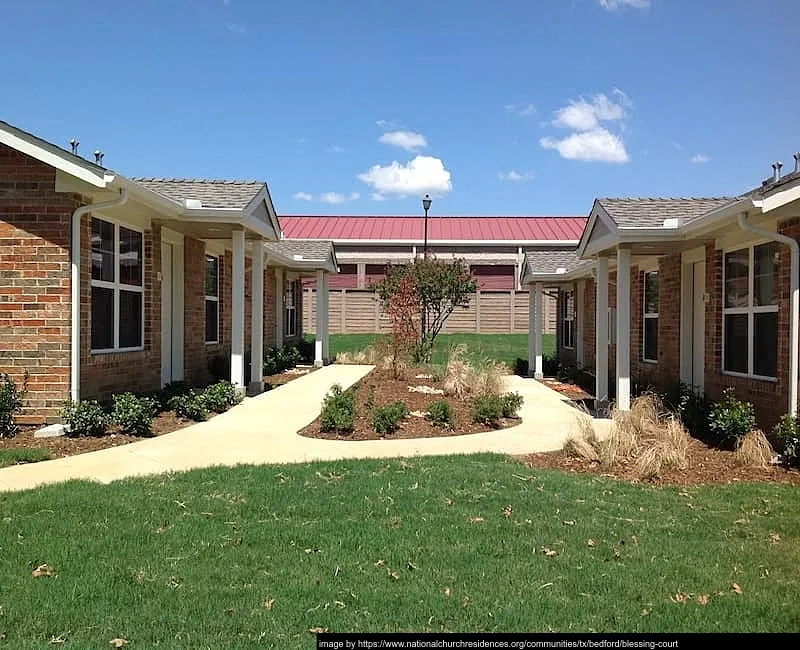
612	5
302	196
333	197
377	196
354	196
676	145
408	140
386	124
336	149
516	176
699	159
590	120
423	174
523	110
236	28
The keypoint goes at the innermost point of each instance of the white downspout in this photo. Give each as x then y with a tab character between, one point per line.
75	289
794	312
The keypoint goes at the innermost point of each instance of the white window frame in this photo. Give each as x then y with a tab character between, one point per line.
566	294
750	310
211	299
287	308
116	285
646	316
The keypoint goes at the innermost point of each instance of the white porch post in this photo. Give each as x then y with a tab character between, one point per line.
237	310
326	298
601	330
623	329
279	315
531	330
257	319
322	321
538	327
580	353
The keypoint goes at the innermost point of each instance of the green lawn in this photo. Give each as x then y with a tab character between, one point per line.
191	560
17	456
500	347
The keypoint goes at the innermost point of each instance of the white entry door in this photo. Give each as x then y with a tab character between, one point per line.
171	311
698	324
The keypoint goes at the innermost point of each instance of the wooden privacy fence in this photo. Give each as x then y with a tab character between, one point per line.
352	311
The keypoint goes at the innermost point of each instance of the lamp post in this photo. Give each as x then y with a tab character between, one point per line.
426	205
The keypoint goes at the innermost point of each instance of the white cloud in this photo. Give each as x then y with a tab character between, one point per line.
336	149
611	5
386	124
236	28
598	145
514	175
699	159
407	140
582	115
523	110
377	196
302	196
354	196
332	198
423	174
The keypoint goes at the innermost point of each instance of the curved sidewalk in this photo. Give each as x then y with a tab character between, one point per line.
263	430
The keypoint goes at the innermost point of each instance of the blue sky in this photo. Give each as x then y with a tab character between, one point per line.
361	106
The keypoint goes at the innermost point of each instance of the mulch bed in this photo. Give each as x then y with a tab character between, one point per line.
571	391
386	390
706	465
287	376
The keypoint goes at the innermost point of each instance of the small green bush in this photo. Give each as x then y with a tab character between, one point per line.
386	419
190	406
278	360
512	403
134	414
305	347
338	411
170	390
221	396
787	431
440	414
370	401
730	418
693	409
11	398
487	409
84	418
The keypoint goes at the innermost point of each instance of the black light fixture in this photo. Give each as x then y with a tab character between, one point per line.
426	205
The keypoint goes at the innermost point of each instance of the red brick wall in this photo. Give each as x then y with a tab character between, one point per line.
35	282
589	338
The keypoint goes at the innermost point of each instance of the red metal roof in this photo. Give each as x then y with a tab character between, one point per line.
406	228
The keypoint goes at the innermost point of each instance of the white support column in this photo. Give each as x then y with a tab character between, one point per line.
538	328
257	320
326	355
531	330
623	329
322	320
279	307
237	310
580	352
601	330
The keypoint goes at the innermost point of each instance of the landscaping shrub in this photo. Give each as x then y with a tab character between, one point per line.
170	390
787	432
219	367
278	360
84	418
457	373
221	396
440	414
386	418
305	348
550	365
190	406
370	401
487	409
338	411
11	398
134	414
512	403
488	378
753	450
730	419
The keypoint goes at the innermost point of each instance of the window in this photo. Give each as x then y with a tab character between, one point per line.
567	319
750	311
212	299
650	317
290	303
117	288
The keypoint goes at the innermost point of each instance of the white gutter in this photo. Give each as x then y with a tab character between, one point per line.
794	313
75	289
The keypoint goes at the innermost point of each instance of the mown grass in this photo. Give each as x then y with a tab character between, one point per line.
19	455
254	557
505	348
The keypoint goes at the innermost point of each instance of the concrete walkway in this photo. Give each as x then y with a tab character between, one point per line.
263	429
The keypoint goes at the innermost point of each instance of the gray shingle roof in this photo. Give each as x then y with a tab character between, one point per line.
651	213
212	193
550	261
311	249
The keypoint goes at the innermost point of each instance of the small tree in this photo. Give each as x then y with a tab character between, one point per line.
402	307
439	286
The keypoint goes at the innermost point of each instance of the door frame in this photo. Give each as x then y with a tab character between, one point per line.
175	239
688	260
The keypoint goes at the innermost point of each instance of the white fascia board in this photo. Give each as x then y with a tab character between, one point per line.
583	270
51	155
780	198
263	196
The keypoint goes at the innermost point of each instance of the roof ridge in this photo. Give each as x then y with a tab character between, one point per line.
209	181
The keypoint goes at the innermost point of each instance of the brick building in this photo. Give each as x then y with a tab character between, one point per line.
110	284
699	291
